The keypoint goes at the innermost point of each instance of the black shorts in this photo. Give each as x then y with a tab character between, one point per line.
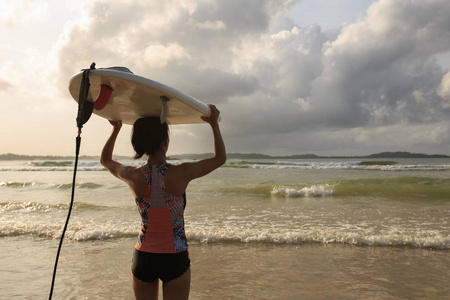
148	267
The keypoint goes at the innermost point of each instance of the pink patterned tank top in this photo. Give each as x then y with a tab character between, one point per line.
162	215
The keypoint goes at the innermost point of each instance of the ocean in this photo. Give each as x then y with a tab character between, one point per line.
267	229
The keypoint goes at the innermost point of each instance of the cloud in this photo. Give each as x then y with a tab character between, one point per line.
5	85
17	12
209	25
375	67
147	36
159	56
187	44
271	77
444	91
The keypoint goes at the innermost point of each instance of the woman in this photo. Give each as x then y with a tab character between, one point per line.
159	190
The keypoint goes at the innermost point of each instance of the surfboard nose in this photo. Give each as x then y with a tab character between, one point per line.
103	98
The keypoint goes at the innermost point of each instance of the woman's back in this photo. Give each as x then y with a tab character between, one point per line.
162	215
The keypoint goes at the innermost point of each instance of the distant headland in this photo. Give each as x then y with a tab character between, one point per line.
382	155
398	154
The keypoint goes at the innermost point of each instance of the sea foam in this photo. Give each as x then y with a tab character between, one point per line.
46	221
312	191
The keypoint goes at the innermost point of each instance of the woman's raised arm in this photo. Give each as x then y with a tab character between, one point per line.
180	176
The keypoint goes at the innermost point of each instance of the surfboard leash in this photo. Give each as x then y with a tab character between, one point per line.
85	109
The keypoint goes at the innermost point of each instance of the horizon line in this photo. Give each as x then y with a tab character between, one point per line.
384	154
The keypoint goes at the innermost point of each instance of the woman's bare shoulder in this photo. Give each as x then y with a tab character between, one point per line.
175	179
130	173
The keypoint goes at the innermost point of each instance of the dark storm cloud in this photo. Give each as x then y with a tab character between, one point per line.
381	71
271	77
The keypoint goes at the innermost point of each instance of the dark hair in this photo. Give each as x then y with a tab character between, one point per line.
148	136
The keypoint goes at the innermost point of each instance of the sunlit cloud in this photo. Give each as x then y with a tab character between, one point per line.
339	90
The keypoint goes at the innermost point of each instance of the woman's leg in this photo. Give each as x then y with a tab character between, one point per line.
145	290
179	288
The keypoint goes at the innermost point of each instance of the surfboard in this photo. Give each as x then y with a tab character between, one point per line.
118	94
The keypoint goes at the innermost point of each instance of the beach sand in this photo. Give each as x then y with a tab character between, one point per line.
101	270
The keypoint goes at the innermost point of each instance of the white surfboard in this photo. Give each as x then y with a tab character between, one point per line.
121	95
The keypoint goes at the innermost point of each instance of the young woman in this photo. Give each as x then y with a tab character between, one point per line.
159	189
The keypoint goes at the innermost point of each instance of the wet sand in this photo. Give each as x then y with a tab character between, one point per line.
101	270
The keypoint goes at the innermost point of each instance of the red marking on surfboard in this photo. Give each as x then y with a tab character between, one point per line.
103	98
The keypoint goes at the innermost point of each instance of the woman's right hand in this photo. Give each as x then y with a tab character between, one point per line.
116	124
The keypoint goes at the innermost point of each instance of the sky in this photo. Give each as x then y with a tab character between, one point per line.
348	77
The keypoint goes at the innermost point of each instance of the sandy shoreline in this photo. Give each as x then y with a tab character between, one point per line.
99	270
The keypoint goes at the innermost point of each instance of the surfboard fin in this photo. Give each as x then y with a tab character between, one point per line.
163	116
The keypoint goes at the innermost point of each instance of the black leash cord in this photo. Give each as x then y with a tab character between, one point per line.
78	143
85	109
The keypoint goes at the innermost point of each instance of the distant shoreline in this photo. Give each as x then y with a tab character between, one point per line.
382	155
